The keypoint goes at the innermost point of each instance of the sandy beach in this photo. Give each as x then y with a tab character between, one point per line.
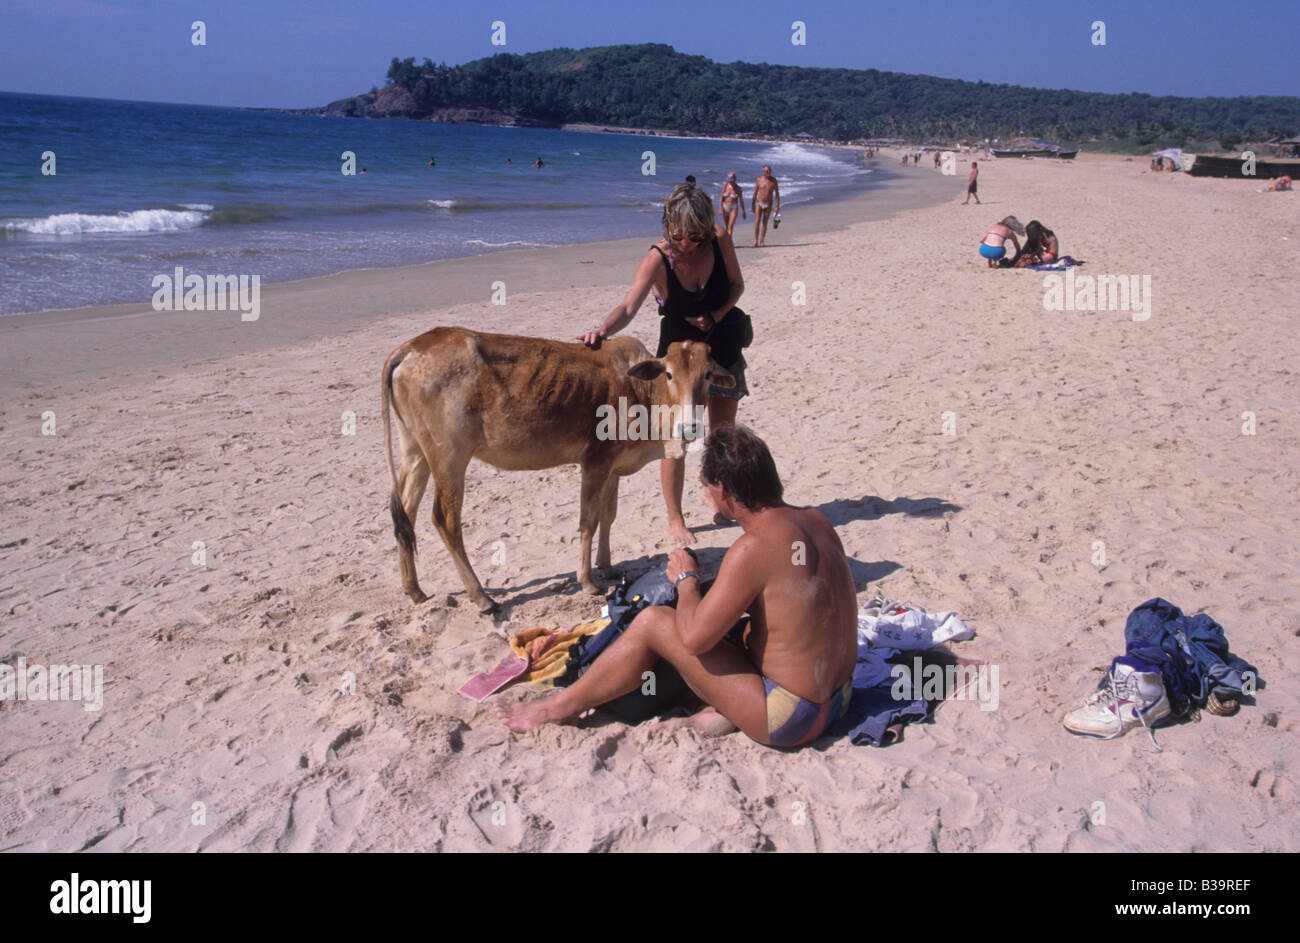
227	724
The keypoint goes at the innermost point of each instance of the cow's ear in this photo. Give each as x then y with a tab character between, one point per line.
721	378
646	369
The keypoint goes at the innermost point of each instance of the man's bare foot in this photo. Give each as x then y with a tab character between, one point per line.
679	535
707	723
522	716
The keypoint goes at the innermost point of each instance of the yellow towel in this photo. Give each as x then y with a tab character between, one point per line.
547	650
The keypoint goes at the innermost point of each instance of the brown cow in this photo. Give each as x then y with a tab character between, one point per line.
524	403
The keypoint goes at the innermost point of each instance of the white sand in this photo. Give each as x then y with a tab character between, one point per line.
223	681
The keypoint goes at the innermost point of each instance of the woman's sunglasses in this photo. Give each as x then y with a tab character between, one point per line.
679	237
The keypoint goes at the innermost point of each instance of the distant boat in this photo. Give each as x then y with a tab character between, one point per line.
1204	166
1036	149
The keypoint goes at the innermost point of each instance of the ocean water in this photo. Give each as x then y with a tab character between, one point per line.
141	188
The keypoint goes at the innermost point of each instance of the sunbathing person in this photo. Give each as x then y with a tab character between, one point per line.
785	679
1051	246
1041	247
1280	184
992	248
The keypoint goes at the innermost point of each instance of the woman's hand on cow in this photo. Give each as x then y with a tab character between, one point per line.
593	337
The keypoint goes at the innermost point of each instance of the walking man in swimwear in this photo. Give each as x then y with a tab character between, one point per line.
785	678
971	184
765	192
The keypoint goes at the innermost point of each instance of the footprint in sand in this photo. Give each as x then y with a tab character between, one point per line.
498	820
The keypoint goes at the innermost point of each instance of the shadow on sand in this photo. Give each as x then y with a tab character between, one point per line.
866	508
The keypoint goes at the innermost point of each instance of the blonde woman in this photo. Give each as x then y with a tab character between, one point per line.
696	279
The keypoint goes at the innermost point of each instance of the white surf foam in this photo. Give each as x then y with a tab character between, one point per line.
69	224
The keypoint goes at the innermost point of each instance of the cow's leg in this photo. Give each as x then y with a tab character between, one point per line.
594	481
411	484
412	479
609	510
448	494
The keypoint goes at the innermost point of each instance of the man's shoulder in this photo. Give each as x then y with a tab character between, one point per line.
805	513
746	545
784	522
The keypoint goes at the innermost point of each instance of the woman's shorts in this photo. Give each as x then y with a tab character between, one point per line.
741	390
992	252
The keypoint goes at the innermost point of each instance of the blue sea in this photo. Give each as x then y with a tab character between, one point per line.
140	188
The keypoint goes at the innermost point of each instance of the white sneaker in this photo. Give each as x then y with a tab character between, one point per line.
1129	697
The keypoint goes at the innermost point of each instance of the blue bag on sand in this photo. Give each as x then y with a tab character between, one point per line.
625	601
1191	654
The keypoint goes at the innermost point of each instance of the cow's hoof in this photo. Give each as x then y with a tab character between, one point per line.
417	595
590	587
488	607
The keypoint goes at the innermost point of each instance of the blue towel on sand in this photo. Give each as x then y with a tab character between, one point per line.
1060	265
873	709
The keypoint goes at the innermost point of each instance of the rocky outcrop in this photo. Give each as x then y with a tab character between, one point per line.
391	101
343	108
471	116
395	102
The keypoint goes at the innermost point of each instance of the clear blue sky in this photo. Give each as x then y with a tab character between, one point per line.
289	55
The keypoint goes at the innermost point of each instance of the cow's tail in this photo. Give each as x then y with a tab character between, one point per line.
403	530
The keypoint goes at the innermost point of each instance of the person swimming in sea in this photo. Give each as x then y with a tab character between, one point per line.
992	246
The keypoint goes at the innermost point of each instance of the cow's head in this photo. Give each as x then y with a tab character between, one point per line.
683	376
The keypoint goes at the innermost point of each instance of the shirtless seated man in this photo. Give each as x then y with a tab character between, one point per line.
791	676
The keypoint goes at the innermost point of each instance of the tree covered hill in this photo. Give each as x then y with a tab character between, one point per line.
653	86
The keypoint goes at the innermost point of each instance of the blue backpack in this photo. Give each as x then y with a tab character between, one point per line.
1191	654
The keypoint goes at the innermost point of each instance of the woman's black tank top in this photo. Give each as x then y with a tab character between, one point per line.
682	304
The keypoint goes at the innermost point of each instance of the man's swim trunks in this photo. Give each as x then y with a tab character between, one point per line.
793	721
992	252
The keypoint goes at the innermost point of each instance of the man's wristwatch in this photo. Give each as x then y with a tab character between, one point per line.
681	576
